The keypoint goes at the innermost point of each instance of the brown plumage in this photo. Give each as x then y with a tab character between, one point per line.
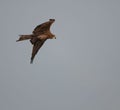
39	35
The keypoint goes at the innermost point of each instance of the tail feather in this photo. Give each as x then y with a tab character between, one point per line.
24	37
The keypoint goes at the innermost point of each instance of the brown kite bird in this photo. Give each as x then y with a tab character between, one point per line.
39	35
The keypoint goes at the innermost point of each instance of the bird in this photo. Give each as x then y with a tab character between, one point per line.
38	37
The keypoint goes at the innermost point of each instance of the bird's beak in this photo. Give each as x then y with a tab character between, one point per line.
54	37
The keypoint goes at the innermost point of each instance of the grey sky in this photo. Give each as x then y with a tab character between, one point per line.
80	70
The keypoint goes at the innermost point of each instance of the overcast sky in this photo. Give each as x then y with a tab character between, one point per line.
80	70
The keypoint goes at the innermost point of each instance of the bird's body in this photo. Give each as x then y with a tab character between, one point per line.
40	34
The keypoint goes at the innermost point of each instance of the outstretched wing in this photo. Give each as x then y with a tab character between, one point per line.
42	28
36	47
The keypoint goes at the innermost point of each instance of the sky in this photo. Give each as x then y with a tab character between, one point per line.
80	70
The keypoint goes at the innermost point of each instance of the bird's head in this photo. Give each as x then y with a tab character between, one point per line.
52	20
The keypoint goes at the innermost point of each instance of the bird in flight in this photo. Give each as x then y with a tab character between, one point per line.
39	35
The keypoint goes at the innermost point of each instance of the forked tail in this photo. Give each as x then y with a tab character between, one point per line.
24	37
